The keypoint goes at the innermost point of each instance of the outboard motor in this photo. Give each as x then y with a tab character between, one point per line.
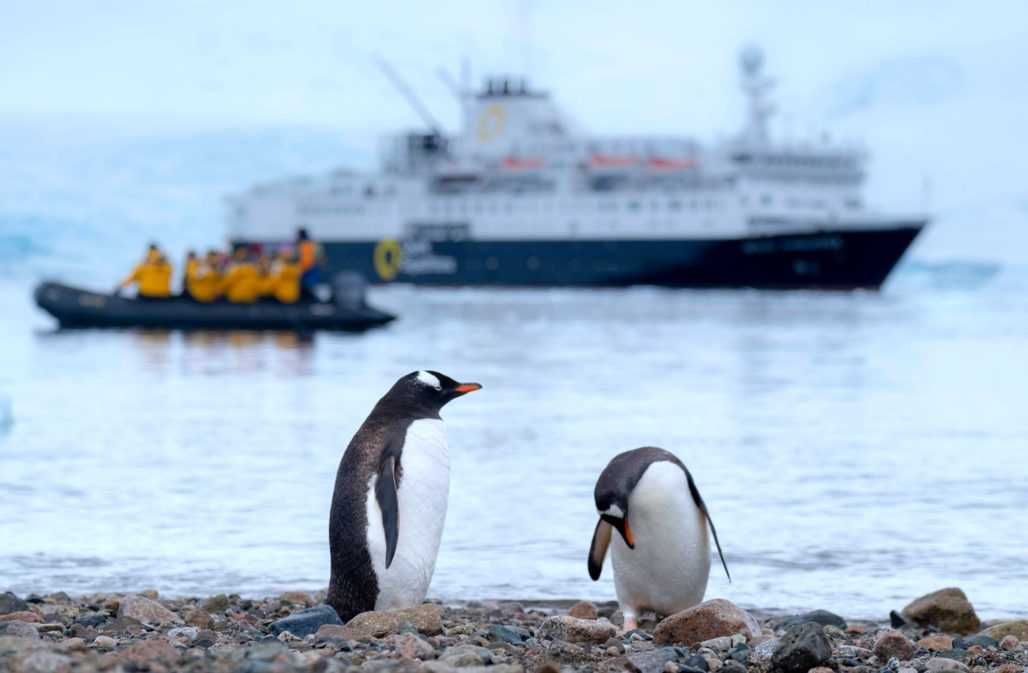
349	290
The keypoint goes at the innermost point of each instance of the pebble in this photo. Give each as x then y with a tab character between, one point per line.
938	642
702	622
584	610
11	603
654	661
20	616
146	610
802	648
306	621
822	617
1016	627
491	637
104	642
890	643
946	609
19	630
563	627
943	664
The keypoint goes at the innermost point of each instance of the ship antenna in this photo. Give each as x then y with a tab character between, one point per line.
408	93
756	85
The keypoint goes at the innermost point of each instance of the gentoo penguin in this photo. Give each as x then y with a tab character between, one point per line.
390	498
662	554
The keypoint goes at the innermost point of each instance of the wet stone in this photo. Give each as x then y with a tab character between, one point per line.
306	622
513	635
802	648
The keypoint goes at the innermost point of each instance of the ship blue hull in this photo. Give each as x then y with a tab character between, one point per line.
841	259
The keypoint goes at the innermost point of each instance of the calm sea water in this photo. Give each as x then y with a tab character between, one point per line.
856	450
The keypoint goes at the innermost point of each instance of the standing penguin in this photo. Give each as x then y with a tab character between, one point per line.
390	498
662	555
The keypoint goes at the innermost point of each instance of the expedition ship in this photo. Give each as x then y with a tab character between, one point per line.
518	198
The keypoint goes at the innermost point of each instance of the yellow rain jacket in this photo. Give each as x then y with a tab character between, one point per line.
242	284
202	282
152	278
285	282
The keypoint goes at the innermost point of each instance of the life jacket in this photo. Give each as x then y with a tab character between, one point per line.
202	282
242	284
286	282
152	278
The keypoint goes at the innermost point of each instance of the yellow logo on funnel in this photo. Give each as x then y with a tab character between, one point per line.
490	124
387	258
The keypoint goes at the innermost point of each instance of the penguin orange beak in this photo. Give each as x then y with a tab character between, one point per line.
620	524
465	388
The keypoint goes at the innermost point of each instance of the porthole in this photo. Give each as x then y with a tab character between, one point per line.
492	264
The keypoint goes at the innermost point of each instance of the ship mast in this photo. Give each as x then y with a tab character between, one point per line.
757	87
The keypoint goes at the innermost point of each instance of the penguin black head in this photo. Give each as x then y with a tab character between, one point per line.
428	391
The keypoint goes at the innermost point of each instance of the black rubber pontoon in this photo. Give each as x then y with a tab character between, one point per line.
74	307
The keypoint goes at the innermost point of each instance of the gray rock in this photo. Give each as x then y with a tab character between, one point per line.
459	656
653	661
306	622
146	611
947	610
512	635
572	630
762	652
698	662
186	634
719	644
944	665
732	666
19	629
10	603
822	617
890	643
44	661
981	640
802	648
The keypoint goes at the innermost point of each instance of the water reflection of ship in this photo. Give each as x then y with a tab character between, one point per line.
518	197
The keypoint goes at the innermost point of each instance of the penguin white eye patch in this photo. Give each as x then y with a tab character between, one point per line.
429	380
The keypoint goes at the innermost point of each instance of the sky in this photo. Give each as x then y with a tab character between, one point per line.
933	89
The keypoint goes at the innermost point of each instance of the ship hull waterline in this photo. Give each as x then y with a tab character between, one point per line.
842	259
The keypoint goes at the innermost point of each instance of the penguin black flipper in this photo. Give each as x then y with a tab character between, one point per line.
698	499
598	548
389	472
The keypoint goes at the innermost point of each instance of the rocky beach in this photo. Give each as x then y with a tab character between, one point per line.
937	633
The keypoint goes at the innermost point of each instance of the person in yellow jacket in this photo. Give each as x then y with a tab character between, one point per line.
285	278
203	282
265	281
152	277
242	282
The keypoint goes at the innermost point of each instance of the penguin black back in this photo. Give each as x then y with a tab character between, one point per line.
376	449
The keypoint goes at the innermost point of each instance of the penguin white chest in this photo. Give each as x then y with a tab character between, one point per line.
669	567
422	499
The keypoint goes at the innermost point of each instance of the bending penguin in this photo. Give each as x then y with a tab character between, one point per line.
390	498
661	555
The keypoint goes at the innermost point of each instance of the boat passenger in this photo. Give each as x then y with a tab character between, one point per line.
265	281
242	284
189	270
152	277
285	276
310	263
203	282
